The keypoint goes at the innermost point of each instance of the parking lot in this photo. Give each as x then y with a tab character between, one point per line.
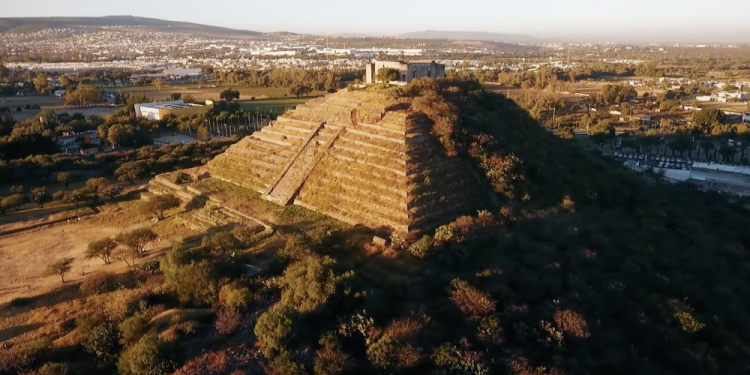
654	161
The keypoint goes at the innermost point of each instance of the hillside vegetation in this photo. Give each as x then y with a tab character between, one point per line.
17	24
584	268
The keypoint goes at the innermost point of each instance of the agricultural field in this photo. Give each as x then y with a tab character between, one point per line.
278	105
727	107
266	99
205	93
569	97
49	103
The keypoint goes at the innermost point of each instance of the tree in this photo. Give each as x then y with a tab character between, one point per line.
41	83
308	283
566	132
602	131
39	196
137	239
83	95
112	191
275	328
648	141
103	341
127	255
118	133
60	267
195	282
64	80
299	90
76	197
159	83
131	171
102	249
229	95
96	184
149	356
14	201
682	143
224	242
707	146
203	132
706	117
176	96
64	178
387	75
160	203
727	153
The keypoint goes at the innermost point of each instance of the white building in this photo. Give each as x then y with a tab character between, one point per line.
159	110
408	71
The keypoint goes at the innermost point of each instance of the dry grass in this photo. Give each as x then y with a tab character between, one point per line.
39	302
163	321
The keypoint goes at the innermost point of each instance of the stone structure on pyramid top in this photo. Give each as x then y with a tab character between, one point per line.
361	157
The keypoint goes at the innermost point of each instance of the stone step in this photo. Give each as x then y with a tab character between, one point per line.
260	136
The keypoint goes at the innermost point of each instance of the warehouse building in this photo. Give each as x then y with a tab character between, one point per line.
159	110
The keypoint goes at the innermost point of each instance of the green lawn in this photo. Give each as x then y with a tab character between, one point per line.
278	105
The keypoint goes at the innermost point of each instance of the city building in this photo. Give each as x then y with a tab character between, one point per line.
159	110
408	71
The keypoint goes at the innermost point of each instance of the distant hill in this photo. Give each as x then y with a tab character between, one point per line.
353	35
471	35
30	24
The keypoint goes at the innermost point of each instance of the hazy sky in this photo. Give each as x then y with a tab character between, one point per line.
579	20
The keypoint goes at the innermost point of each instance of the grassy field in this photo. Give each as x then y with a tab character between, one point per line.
204	93
266	99
278	105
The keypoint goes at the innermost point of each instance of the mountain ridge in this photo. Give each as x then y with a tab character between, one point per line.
12	23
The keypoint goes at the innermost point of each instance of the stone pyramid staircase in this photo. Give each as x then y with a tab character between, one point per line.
288	183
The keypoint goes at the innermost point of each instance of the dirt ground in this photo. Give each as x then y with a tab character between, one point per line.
24	256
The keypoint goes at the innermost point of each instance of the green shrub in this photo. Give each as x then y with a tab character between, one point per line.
151	266
149	356
97	283
423	248
274	329
446	234
53	369
132	328
381	353
86	323
103	341
235	298
283	363
182	178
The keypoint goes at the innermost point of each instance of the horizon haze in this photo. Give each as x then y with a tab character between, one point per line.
578	21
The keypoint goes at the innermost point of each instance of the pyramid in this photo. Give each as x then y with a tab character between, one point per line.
361	157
